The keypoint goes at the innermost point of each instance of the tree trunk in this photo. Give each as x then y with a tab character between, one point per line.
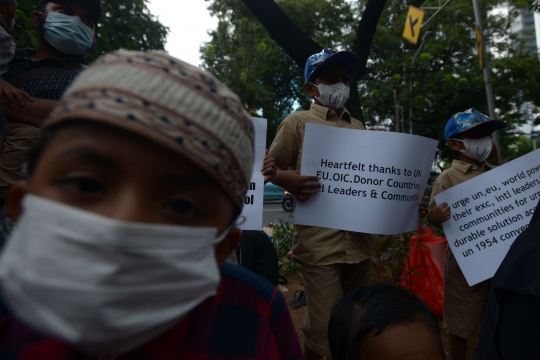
361	47
299	46
296	43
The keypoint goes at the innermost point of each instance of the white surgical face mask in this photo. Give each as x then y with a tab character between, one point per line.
333	96
103	285
477	149
68	33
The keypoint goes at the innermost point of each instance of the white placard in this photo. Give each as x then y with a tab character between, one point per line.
489	212
253	205
372	181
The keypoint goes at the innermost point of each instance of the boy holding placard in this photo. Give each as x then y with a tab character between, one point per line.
467	133
334	262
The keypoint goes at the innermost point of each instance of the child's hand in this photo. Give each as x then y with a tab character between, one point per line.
301	187
439	215
424	205
12	95
268	170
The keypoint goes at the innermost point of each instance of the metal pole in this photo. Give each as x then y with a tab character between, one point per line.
532	123
402	120
487	72
396	111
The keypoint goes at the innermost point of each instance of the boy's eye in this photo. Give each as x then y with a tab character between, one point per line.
183	207
85	185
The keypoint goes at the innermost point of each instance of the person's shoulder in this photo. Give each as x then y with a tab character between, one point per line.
297	117
236	279
357	124
445	174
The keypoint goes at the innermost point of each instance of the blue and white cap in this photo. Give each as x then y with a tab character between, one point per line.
468	119
317	61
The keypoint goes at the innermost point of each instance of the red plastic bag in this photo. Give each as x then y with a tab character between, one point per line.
423	272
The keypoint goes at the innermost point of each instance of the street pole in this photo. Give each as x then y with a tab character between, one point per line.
396	111
487	72
402	120
532	124
410	80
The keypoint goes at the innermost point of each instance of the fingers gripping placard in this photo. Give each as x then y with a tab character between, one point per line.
488	212
371	181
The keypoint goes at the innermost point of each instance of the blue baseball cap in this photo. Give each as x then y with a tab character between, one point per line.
468	119
317	61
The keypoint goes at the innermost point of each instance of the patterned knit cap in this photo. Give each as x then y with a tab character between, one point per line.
172	103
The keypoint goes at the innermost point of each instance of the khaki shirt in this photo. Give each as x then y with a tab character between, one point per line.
315	245
459	172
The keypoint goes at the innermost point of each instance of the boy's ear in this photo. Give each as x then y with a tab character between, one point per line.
455	145
225	248
35	18
311	89
13	208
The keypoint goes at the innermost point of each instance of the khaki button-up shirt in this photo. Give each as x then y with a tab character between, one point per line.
456	174
315	245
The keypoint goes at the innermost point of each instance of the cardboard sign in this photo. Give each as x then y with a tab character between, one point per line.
371	181
252	211
489	212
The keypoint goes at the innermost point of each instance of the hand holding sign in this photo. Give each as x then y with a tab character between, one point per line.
302	187
268	168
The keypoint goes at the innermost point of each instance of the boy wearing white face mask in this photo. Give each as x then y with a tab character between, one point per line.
126	218
467	133
334	262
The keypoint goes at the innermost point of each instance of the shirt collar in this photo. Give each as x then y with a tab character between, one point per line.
465	167
329	114
24	54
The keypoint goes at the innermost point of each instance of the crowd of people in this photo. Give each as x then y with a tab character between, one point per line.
121	185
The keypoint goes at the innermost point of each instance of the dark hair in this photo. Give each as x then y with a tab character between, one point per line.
6	2
373	309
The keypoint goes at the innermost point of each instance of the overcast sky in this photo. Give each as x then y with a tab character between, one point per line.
188	22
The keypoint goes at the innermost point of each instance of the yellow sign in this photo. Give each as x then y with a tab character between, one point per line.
415	16
480	47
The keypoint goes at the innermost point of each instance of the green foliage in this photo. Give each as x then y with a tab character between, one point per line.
522	145
242	54
391	254
283	235
125	24
446	77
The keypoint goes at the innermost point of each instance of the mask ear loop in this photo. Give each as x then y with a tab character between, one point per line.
463	142
239	221
317	86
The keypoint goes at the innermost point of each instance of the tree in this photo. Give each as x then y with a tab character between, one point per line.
446	76
125	24
243	54
300	46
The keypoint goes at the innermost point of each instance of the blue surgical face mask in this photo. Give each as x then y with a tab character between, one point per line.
68	34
